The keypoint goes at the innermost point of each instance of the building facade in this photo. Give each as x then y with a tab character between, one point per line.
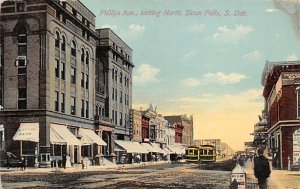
183	128
136	125
48	63
282	97
116	56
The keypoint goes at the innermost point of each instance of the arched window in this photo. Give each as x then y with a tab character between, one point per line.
57	39
63	44
87	58
82	55
73	49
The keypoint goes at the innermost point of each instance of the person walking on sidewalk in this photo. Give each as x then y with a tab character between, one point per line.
261	169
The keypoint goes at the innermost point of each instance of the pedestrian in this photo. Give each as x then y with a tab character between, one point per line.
64	160
23	164
138	158
261	169
8	159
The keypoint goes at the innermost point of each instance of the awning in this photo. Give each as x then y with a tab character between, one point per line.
89	137
141	148
148	147
27	132
176	149
60	134
131	147
117	149
157	148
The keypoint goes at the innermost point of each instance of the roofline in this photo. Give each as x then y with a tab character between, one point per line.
115	35
86	8
269	66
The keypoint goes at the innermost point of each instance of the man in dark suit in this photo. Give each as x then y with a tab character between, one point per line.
261	169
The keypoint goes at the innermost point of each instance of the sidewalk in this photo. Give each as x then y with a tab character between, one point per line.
76	168
279	179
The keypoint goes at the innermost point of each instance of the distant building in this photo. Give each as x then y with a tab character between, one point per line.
183	128
282	99
136	125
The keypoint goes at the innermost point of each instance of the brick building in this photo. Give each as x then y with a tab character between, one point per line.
47	86
183	128
116	56
282	98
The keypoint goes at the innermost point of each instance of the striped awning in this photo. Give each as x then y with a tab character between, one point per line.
60	134
27	132
89	137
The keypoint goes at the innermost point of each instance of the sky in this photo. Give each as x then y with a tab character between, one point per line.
208	63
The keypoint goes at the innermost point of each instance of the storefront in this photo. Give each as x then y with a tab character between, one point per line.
28	135
131	149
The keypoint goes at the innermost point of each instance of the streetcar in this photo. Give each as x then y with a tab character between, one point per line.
202	154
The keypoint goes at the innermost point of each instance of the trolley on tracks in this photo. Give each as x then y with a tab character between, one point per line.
202	154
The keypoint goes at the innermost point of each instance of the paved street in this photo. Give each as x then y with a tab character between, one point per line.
149	176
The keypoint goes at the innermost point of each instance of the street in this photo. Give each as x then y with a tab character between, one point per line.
165	175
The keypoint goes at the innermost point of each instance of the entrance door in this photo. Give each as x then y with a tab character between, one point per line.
75	154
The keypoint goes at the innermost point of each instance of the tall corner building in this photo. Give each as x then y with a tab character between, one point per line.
47	89
116	57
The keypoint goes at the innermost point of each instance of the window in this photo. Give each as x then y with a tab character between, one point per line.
125	96
113	116
22	42
116	117
73	105
125	81
87	60
121	97
21	63
82	79
86	81
127	100
2	141
57	39
298	101
57	69
87	109
73	49
63	102
56	101
73	75
116	75
113	93
22	98
63	70
121	119
121	77
20	6
82	108
63	44
116	95
82	55
113	74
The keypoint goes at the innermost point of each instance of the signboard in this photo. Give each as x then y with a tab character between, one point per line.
290	78
240	178
296	147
